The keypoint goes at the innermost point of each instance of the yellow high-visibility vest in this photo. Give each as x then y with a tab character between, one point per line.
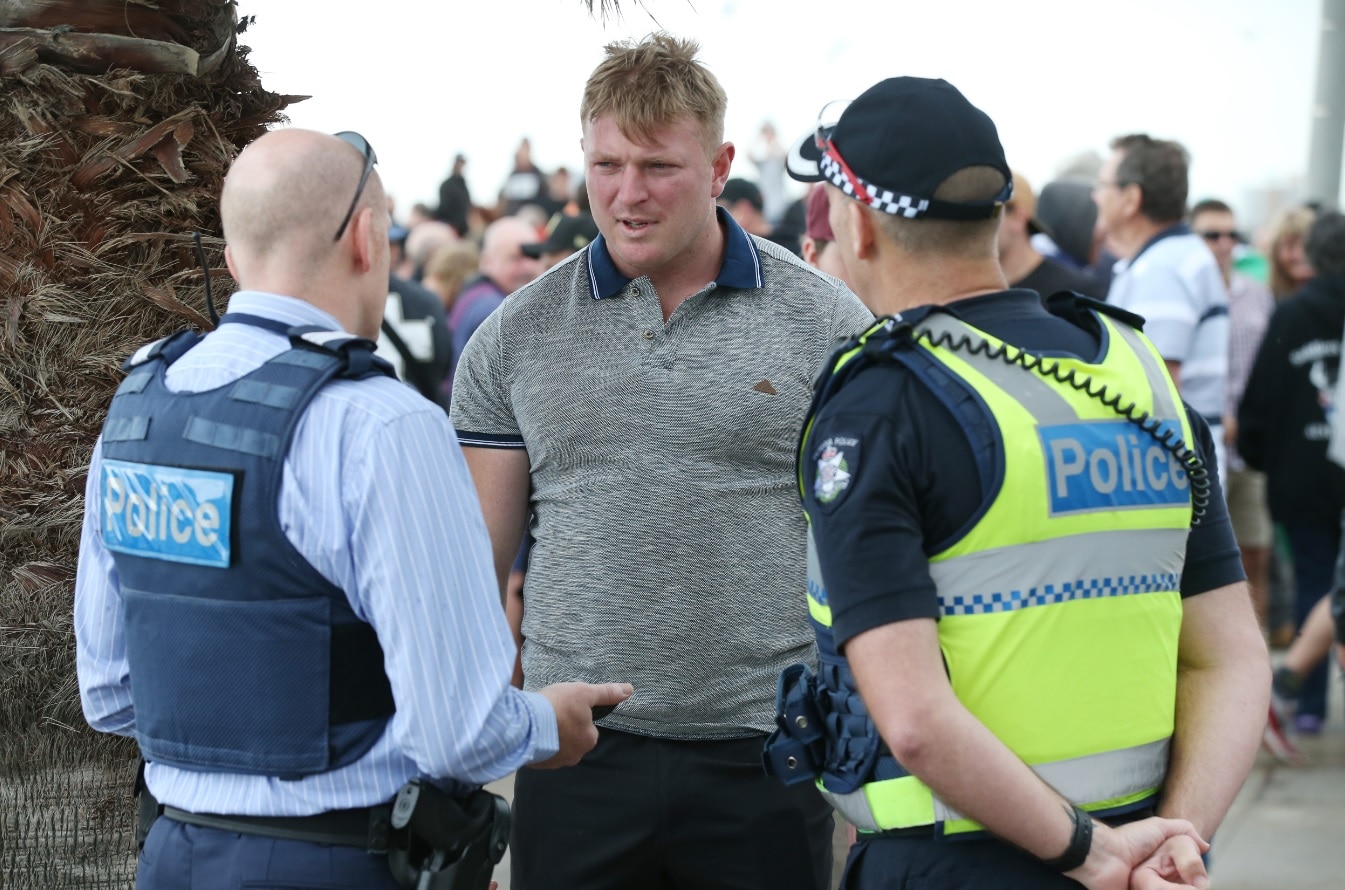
1060	607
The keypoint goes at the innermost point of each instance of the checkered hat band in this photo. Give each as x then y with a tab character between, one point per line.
878	198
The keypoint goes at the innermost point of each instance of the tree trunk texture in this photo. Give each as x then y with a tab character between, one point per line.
118	121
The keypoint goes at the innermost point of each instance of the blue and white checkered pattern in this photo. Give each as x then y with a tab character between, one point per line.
1051	594
879	198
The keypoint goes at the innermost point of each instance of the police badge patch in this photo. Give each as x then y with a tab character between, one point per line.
837	461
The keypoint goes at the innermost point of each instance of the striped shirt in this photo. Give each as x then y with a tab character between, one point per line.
670	542
377	497
1174	282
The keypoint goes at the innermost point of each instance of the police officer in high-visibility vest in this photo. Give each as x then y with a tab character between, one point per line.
285	589
1038	659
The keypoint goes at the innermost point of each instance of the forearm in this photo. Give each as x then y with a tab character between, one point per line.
971	770
903	684
1221	711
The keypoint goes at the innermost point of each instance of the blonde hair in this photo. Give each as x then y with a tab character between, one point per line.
646	85
448	269
1290	224
951	236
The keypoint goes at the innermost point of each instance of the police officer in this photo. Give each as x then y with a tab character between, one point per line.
1034	635
285	589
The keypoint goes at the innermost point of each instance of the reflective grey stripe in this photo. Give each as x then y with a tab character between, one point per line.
1164	406
817	589
1040	398
231	438
1084	566
272	395
1096	777
854	807
126	429
1091	779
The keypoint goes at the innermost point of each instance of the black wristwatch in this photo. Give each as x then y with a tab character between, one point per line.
1079	844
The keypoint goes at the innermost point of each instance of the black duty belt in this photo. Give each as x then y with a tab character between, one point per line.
367	828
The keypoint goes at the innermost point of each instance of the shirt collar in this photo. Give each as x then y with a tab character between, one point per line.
1170	232
741	267
290	310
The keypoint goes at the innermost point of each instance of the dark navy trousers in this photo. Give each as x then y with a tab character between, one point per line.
1315	550
190	857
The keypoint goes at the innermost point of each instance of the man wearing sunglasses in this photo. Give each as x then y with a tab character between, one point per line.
1033	631
289	614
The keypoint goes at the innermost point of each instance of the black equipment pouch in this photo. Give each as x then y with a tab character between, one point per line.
453	844
794	752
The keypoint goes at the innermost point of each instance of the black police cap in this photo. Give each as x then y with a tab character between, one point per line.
896	144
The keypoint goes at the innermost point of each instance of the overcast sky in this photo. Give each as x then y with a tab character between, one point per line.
1232	79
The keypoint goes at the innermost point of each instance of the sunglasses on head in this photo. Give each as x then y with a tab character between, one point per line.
360	144
827	119
1214	235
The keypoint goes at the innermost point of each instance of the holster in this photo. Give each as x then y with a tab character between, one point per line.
796	750
453	844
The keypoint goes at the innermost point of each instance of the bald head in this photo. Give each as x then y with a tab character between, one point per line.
286	194
502	258
282	203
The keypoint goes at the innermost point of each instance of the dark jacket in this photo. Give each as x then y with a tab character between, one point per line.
1283	421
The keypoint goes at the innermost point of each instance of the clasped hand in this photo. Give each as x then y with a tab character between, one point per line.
1151	854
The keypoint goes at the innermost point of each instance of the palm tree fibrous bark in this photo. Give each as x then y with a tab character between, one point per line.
117	123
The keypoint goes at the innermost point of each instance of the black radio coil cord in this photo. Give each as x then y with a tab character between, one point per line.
1053	369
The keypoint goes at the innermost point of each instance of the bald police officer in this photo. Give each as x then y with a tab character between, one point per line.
291	616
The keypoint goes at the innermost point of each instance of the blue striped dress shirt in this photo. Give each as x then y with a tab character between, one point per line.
377	497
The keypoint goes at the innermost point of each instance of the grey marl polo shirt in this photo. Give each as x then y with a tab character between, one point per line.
670	548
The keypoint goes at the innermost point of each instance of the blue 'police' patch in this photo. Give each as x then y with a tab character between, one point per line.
837	460
1110	465
168	513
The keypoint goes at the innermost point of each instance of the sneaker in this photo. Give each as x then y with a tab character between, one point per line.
1307	724
1275	740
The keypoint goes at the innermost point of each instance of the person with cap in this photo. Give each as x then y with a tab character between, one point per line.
640	401
1038	662
289	614
1023	265
565	234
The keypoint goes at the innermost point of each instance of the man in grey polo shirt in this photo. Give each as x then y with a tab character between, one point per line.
649	391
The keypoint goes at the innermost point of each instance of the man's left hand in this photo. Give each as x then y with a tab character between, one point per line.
1175	864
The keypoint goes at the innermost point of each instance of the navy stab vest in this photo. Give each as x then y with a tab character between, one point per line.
243	657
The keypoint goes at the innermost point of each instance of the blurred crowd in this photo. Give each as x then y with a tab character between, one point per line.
455	262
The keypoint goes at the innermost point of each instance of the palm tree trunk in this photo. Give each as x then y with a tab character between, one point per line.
118	123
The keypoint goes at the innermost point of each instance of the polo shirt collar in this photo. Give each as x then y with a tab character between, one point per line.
1172	231
741	267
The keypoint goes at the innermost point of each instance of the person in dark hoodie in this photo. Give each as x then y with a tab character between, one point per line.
1284	426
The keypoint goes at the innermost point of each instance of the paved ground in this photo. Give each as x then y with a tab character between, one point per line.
1286	829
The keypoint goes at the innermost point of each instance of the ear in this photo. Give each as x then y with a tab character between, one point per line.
229	261
362	235
1132	198
865	230
808	247
720	163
